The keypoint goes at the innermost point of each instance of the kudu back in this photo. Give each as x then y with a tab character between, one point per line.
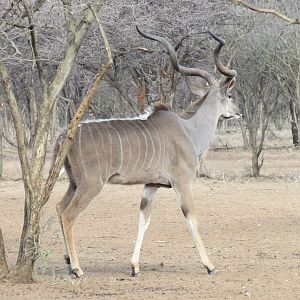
157	149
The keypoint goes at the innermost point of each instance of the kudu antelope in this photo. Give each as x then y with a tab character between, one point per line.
160	149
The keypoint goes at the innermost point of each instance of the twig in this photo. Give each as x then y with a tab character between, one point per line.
9	141
102	32
268	11
11	41
20	131
35	53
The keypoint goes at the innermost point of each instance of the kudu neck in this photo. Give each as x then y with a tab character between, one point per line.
202	125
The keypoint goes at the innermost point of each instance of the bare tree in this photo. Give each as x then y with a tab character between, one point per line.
259	102
33	162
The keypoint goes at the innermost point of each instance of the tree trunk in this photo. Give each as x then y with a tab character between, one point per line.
3	263
30	240
294	123
1	138
1	152
54	124
243	127
32	107
255	164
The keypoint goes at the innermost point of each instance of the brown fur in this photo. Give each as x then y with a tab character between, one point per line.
162	106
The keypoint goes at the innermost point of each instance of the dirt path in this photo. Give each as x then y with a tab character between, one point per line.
251	229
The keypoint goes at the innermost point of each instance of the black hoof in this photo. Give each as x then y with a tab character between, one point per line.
76	273
212	272
133	273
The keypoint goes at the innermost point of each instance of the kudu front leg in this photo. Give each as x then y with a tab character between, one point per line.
184	194
144	221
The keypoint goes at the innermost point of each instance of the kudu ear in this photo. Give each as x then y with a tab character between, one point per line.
197	85
228	84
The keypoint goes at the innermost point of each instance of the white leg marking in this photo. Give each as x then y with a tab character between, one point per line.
144	221
193	226
143	226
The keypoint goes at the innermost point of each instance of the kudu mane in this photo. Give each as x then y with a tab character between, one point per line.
187	113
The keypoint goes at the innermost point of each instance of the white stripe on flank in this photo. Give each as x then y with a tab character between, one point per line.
158	160
80	151
121	145
129	145
96	154
111	150
146	144
106	166
139	144
164	148
150	161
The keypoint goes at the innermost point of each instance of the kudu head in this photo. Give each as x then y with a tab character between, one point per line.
202	83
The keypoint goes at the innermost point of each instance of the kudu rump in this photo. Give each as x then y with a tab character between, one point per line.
159	149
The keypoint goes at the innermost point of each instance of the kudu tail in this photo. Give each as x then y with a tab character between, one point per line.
57	147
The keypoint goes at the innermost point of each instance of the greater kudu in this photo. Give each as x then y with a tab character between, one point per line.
160	149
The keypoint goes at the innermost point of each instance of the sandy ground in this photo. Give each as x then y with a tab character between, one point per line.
251	229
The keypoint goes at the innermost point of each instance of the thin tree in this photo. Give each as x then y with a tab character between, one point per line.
36	192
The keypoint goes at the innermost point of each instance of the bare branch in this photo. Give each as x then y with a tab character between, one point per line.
10	142
35	7
102	32
20	132
11	42
70	19
267	11
34	49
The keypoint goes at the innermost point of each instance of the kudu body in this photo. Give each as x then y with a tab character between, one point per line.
160	149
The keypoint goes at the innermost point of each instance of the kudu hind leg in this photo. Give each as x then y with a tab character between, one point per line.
144	221
184	194
81	199
60	207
